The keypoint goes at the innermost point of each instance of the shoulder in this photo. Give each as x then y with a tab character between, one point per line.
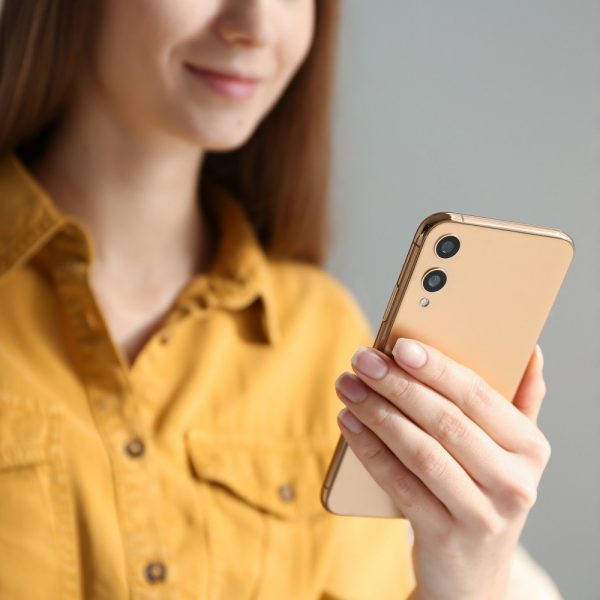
311	291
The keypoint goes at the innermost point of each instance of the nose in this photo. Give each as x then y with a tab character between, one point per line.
246	22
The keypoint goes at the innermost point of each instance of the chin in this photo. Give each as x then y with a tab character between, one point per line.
224	144
215	136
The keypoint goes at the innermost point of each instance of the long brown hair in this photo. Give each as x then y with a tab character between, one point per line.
281	174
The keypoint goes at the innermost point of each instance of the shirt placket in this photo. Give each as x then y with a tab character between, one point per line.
117	414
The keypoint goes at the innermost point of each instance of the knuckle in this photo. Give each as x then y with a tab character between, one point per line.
429	461
450	427
440	370
401	485
478	395
548	451
519	496
373	450
539	447
381	416
488	524
399	388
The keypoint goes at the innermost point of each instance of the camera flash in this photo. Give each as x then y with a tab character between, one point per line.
424	302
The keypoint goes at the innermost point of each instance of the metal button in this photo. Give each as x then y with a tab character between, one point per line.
135	448
286	492
70	231
155	572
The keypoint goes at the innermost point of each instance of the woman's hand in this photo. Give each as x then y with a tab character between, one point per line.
460	461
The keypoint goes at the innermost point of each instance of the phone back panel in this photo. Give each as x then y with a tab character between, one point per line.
500	288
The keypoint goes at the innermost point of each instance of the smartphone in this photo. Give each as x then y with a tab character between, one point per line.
480	291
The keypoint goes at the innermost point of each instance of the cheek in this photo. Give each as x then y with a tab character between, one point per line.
294	43
133	59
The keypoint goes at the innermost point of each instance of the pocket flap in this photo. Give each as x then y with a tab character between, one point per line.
23	438
281	478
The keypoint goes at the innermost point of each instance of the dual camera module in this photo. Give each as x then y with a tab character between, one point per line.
446	247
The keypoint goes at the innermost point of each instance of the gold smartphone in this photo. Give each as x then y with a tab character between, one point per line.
480	291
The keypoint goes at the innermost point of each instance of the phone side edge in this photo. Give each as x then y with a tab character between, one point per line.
332	470
381	337
430	221
521	227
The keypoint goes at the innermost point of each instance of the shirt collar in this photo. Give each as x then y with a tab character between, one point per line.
239	275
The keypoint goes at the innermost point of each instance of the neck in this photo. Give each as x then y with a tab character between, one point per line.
138	193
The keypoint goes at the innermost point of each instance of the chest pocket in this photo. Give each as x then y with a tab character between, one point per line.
264	513
37	542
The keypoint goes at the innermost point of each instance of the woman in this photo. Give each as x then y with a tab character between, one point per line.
170	340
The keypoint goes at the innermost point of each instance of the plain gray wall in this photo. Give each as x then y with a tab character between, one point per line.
493	109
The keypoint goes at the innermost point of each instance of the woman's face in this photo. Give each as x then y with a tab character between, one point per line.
146	51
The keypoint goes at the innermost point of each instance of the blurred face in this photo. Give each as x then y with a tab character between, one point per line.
206	71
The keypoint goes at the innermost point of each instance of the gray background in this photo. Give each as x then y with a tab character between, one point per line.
493	109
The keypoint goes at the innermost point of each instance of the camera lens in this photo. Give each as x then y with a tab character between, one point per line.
434	280
448	246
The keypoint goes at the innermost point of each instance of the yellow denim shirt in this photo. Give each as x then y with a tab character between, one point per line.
196	471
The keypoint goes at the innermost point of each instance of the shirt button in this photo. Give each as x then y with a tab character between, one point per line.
71	232
286	492
135	448
92	320
155	572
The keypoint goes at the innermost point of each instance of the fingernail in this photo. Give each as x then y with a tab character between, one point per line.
351	387
368	362
350	421
409	353
540	355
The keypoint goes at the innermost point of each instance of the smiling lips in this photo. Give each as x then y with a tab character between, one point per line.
227	84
